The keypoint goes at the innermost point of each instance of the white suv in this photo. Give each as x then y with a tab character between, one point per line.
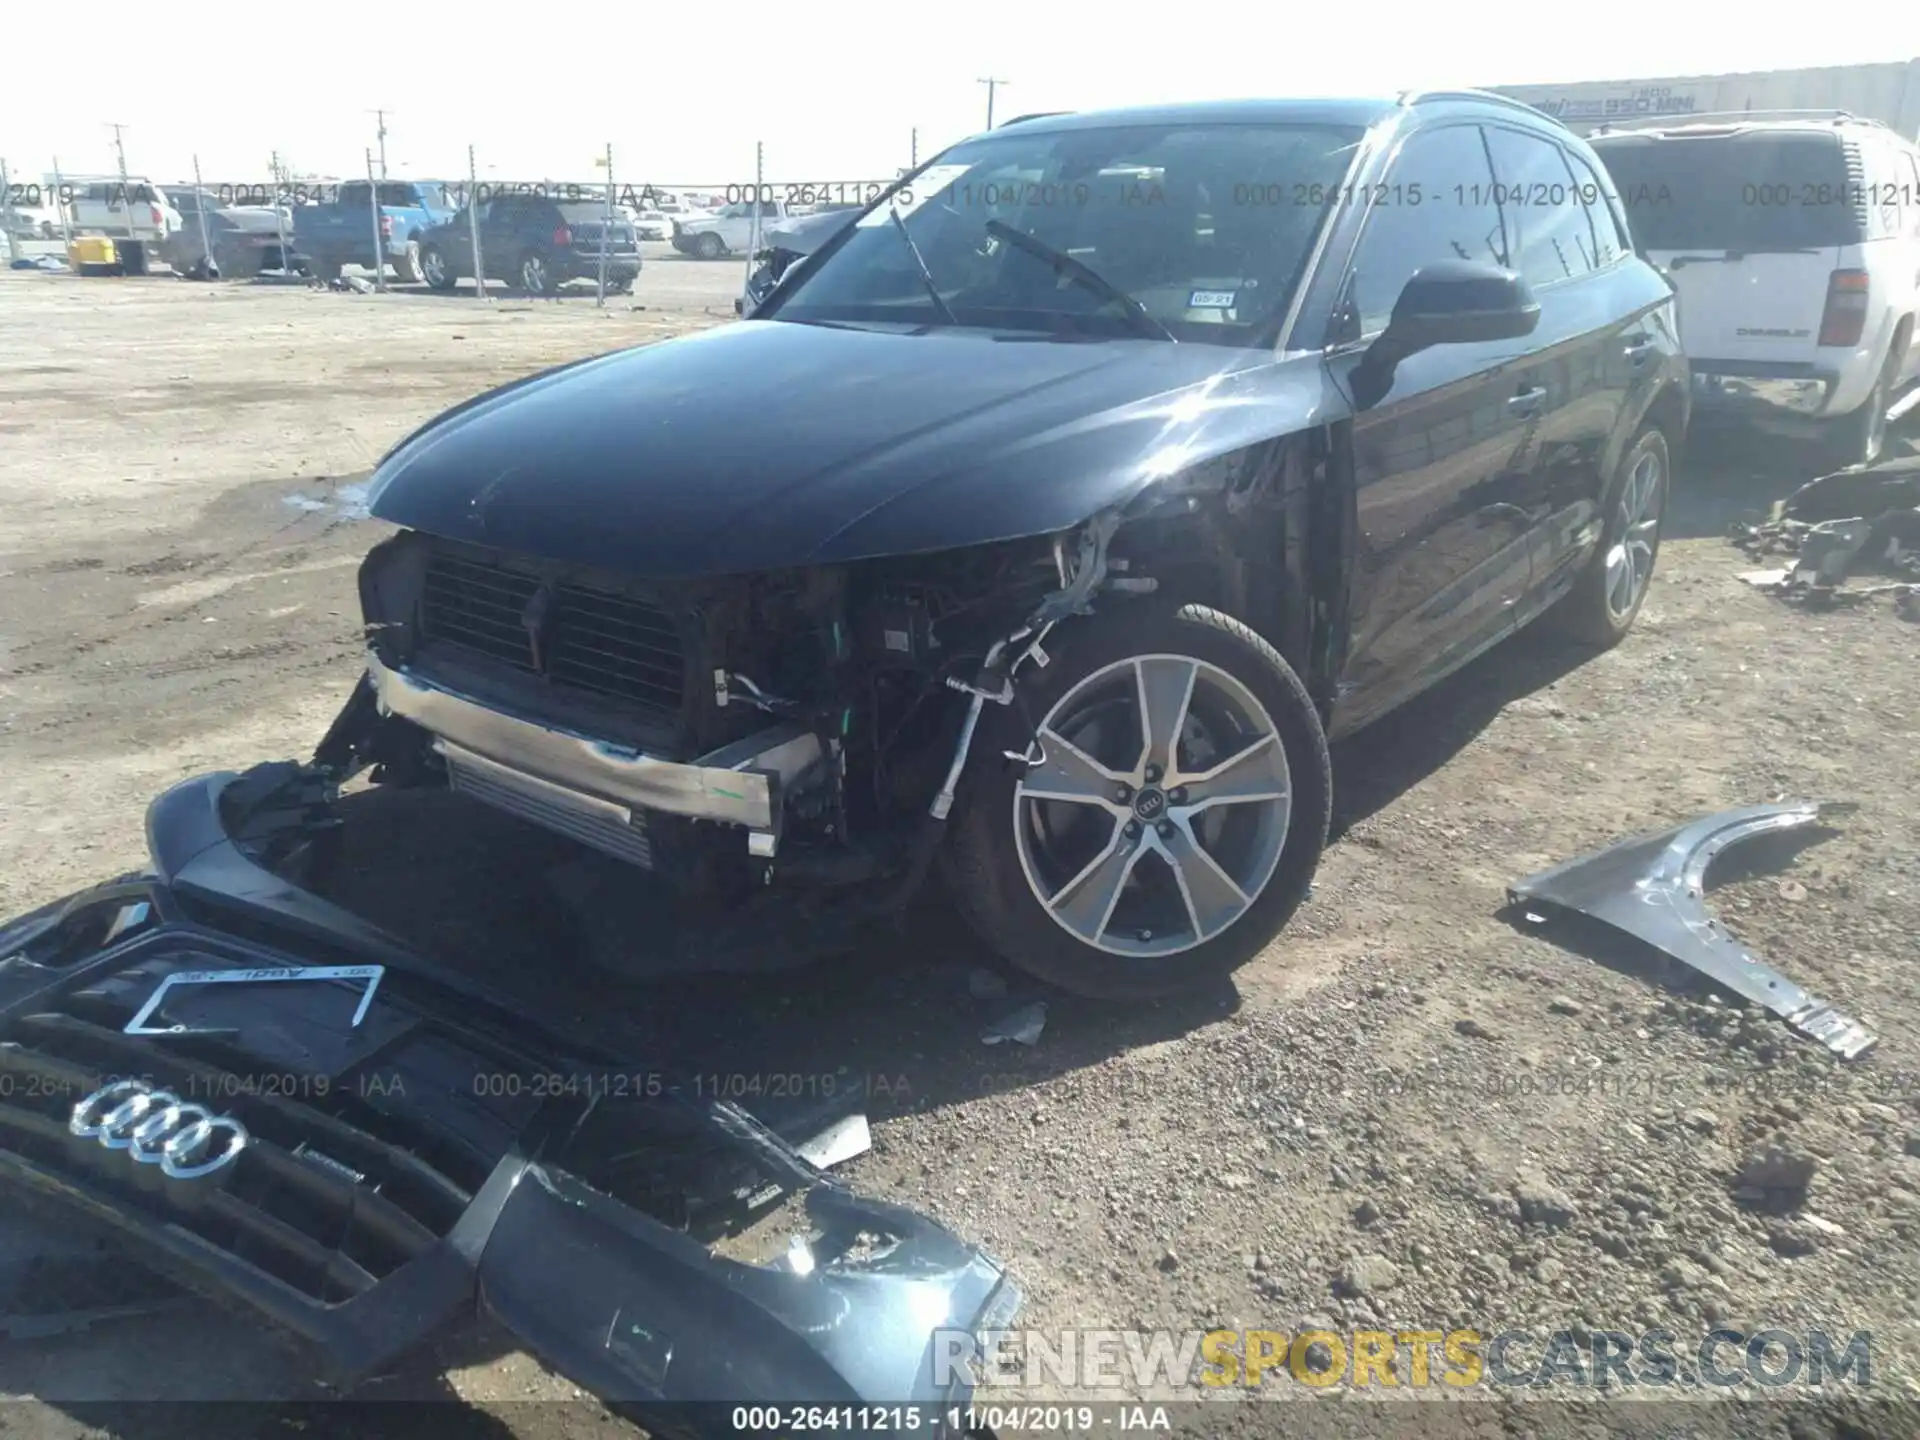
1793	243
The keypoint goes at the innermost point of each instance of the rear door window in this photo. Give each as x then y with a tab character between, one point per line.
1549	237
1597	198
1760	192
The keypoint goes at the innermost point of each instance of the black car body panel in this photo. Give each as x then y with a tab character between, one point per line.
395	1183
847	444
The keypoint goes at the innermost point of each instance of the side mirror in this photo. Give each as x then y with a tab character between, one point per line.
1460	302
1450	302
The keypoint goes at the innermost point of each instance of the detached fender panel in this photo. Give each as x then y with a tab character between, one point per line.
1653	888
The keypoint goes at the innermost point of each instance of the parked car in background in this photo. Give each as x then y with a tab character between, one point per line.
33	222
652	224
1794	247
134	213
341	231
727	231
1044	542
242	240
784	245
535	243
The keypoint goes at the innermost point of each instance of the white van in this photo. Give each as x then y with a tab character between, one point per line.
1793	242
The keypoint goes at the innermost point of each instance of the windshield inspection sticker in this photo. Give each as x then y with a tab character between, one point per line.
1211	299
915	193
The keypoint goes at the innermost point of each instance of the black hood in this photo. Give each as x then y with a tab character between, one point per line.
769	444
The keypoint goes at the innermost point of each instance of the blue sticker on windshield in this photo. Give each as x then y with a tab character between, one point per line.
1211	299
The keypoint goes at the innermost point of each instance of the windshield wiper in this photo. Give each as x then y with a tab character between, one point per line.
1086	275
926	275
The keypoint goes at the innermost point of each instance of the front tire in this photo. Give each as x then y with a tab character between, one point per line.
709	246
1173	821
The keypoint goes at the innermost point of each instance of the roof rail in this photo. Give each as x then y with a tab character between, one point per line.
1418	97
1669	122
1031	115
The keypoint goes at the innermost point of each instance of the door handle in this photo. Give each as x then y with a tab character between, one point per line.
1527	401
1638	352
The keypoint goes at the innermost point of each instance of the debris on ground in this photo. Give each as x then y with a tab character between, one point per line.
1023	1026
839	1142
1651	888
38	262
1838	525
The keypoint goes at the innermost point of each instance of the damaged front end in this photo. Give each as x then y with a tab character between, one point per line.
282	1107
756	739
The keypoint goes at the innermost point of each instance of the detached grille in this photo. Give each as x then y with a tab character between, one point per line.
607	645
319	1198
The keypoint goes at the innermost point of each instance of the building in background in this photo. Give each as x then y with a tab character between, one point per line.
1889	93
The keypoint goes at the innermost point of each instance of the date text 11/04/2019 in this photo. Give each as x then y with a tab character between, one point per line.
968	1419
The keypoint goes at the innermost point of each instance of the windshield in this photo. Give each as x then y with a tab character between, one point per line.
1207	227
1753	193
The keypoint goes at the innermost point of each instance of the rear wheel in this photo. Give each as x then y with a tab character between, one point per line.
435	269
326	271
1606	599
709	246
536	277
1858	439
1172	820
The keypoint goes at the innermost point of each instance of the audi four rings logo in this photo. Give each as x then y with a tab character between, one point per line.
157	1127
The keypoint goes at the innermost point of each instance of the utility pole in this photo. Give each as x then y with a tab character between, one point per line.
380	118
992	82
606	227
281	193
126	199
473	223
6	213
212	272
379	240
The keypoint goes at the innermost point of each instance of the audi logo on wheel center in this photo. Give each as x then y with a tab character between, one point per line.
157	1127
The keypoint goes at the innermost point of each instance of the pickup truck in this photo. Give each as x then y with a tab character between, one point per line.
340	231
728	230
135	213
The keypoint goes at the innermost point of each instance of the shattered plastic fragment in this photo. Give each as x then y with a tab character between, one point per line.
1023	1026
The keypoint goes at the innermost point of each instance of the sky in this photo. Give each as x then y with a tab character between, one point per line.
834	93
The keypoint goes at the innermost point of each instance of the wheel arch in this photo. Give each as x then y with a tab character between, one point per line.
1263	534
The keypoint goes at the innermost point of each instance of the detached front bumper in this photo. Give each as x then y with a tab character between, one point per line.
402	1173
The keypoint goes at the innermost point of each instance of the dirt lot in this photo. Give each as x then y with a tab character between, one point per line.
1407	1111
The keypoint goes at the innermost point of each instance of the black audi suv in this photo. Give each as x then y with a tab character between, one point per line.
1038	530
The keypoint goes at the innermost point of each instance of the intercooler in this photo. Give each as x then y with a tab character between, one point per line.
602	824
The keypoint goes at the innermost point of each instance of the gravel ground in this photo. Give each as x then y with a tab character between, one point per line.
1407	1113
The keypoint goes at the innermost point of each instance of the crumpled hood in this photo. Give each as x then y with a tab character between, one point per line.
767	444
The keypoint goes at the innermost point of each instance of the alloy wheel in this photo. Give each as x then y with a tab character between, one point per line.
1630	560
1158	808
